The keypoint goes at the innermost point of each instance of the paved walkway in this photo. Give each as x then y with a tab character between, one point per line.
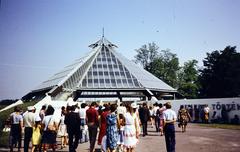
196	139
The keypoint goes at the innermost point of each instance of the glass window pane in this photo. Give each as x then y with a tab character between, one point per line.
124	81
130	82
95	73
121	67
110	66
114	60
107	80
113	82
84	82
136	82
101	81
128	75
119	81
89	80
99	66
104	66
111	74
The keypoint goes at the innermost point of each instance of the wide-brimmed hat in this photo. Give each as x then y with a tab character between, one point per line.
134	105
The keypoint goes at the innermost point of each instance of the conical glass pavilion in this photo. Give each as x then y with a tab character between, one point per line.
103	72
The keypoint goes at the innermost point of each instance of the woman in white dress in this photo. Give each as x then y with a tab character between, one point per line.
131	133
63	129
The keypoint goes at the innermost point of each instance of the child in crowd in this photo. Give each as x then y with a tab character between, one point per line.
36	135
121	124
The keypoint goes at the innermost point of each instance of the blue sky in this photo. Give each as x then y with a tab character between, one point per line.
39	38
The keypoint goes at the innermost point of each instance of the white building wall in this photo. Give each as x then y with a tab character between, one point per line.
214	105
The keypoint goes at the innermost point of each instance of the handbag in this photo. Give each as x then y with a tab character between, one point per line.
51	127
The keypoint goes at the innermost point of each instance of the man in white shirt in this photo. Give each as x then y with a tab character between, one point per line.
83	130
28	122
155	108
169	117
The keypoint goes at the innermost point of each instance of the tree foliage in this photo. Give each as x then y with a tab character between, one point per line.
163	64
220	76
165	67
187	79
146	54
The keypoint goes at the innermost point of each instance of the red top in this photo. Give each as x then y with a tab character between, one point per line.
92	115
103	126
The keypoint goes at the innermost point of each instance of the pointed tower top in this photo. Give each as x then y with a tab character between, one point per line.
103	32
102	42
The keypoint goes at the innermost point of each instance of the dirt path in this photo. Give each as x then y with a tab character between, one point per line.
196	139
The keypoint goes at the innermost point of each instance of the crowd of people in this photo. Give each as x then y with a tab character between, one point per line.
110	126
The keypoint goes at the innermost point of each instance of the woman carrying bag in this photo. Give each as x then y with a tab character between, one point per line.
50	126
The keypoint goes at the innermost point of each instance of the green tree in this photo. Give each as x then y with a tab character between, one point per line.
146	54
168	67
220	76
163	65
187	79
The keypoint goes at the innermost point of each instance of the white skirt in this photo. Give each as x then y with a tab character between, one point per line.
62	131
129	138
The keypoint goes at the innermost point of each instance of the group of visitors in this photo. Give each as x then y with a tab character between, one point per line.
113	127
34	128
119	127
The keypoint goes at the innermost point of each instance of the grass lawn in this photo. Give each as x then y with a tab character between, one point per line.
222	126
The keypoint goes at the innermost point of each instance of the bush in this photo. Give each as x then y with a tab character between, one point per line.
4	138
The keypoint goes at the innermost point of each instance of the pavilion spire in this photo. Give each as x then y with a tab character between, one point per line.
103	32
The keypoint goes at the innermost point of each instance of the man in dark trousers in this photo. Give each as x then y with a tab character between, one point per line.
72	120
92	122
169	118
144	115
28	122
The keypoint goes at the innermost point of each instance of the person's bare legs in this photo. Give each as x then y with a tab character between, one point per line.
62	141
131	149
161	131
65	141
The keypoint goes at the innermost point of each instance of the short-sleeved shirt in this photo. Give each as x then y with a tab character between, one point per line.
82	113
29	119
16	118
155	108
169	114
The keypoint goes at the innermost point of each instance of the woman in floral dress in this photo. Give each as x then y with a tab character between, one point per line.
112	130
